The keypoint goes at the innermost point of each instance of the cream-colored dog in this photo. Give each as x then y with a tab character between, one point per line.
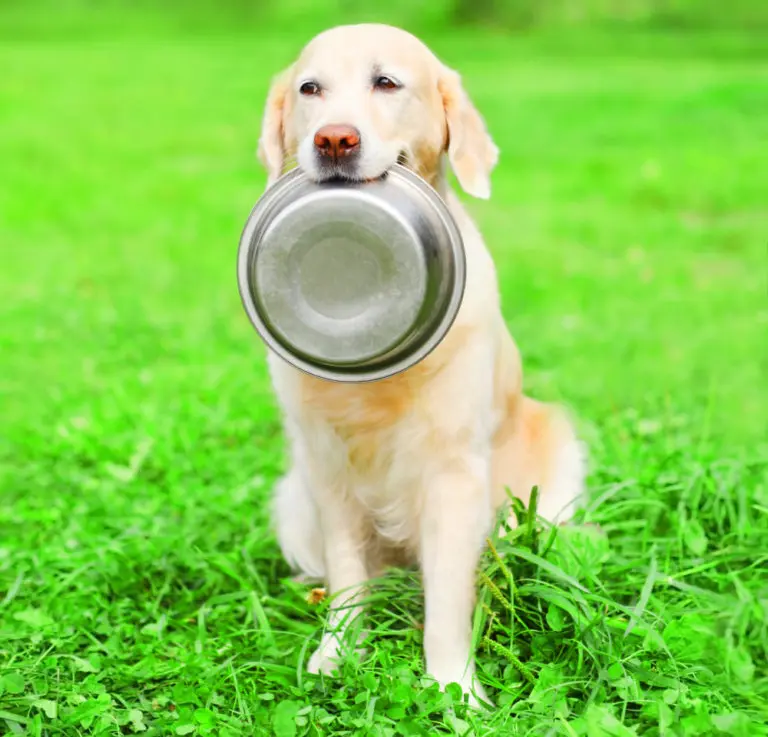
413	467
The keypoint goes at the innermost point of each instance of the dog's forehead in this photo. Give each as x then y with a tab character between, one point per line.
365	47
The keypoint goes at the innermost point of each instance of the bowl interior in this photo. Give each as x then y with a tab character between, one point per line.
340	276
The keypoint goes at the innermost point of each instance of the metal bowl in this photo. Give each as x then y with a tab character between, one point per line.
351	281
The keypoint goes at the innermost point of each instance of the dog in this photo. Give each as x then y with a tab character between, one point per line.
414	467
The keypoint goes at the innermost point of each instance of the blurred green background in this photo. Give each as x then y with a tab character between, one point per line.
139	437
418	15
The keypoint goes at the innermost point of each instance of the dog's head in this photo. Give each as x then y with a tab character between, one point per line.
360	99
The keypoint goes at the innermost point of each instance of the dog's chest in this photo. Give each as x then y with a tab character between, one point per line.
367	420
377	430
384	476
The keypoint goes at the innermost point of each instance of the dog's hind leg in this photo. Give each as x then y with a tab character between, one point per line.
537	446
297	526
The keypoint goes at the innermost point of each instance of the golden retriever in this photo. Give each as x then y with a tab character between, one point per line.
411	468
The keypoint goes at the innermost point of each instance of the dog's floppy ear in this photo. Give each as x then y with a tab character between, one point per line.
471	151
271	149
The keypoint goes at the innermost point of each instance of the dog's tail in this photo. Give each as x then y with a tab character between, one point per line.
537	446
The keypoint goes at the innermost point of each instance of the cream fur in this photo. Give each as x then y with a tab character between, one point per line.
410	468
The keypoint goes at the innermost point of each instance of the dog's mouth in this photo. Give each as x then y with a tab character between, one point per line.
344	175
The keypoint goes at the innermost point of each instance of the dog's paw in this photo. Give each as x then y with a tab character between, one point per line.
328	656
477	698
471	687
323	662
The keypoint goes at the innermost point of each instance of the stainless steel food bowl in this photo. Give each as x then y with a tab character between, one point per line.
351	281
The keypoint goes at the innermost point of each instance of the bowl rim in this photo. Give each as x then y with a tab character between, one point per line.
373	371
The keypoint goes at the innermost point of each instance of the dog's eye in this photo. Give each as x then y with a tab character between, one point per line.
309	89
385	83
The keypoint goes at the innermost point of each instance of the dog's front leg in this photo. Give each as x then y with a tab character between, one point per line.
342	526
455	521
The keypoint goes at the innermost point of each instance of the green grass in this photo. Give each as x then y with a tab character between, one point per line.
141	589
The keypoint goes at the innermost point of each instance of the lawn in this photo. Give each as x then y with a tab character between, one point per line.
141	589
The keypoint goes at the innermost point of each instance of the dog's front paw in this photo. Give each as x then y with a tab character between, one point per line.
328	656
323	662
476	696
